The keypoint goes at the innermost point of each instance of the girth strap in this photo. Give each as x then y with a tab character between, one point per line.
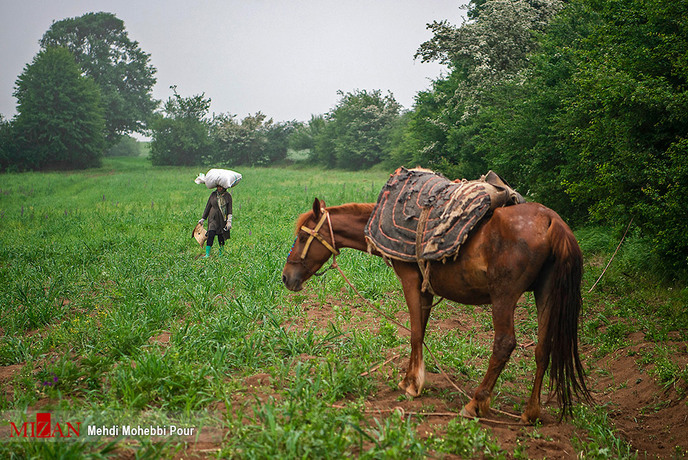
423	264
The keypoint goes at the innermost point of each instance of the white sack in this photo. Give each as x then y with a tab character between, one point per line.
215	177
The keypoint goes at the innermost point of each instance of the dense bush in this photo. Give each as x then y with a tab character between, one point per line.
184	134
626	121
255	140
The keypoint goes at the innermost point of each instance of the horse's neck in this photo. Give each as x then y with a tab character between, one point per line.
348	222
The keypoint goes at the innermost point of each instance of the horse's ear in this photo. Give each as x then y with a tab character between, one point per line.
317	207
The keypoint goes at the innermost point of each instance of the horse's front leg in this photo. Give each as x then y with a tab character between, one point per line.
419	305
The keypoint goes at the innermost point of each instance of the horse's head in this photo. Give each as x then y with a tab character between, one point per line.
313	246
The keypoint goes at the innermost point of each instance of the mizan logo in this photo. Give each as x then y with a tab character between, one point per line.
44	428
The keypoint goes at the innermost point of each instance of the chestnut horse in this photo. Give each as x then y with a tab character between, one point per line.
525	247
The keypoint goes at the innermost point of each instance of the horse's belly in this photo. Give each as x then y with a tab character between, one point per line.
461	283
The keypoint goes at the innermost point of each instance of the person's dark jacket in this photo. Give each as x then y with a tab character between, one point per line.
212	213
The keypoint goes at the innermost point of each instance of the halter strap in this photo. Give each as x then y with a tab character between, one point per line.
314	234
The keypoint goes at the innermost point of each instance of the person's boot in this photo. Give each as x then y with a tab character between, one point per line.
207	251
221	248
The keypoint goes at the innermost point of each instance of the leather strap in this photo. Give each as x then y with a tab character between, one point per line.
314	234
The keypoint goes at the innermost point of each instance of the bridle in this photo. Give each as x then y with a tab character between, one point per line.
313	234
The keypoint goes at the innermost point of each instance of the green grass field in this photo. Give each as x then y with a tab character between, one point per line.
109	317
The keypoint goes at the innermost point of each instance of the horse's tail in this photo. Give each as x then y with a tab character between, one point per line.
564	304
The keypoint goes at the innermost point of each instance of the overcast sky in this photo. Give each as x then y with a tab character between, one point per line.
285	58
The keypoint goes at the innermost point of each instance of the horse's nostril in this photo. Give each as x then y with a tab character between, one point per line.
284	279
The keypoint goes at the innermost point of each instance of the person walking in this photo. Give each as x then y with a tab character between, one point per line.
218	212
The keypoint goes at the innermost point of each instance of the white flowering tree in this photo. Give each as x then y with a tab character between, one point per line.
490	48
487	51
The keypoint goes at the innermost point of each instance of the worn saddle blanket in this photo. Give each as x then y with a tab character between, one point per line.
423	216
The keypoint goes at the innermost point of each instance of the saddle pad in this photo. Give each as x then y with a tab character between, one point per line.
421	215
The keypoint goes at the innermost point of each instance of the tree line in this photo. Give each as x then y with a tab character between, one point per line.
90	86
353	135
184	133
581	104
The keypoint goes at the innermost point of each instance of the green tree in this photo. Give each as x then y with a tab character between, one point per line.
401	145
357	133
627	120
441	133
255	140
240	142
7	143
520	134
491	48
305	135
118	66
181	134
60	119
324	143
277	135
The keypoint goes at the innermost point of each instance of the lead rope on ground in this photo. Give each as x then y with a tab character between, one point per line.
394	321
404	412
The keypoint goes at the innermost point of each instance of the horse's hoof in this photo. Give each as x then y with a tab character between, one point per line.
467	413
412	393
529	419
410	389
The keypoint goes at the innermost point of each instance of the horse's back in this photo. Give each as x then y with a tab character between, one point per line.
523	223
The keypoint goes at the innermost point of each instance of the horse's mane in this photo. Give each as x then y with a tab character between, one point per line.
348	208
300	222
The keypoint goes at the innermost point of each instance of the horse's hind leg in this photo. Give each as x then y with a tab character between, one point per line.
504	344
542	352
419	304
